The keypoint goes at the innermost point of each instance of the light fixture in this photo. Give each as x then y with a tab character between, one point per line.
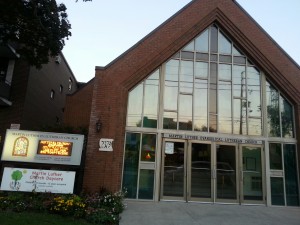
98	126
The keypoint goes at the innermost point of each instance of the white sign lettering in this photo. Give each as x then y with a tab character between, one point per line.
214	139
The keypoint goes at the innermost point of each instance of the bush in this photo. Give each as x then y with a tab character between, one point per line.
96	208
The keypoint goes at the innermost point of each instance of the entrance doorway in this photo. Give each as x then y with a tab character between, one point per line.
212	172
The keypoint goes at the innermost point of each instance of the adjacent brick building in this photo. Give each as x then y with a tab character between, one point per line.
32	99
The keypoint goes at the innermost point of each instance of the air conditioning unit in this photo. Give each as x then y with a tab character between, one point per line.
58	59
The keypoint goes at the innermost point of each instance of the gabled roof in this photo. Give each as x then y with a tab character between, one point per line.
176	32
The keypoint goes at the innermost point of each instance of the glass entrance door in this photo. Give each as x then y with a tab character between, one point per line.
226	173
200	185
252	181
186	171
212	172
174	170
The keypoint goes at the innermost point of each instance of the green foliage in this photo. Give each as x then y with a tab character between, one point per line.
16	175
37	28
96	208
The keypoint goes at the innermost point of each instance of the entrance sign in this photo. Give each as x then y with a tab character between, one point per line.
28	180
214	139
169	148
106	145
42	147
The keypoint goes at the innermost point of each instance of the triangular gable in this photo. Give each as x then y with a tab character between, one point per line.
144	57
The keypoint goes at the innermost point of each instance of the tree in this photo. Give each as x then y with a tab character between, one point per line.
16	175
38	28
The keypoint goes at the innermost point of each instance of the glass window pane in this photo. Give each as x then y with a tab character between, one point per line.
201	42
252	173
225	58
224	45
273	111
186	77
148	147
200	105
170	120
151	101
236	52
224	72
187	55
213	89
287	120
253	85
131	163
239	60
214	57
189	46
277	195
185	112
275	156
171	94
135	106
239	81
201	69
202	56
225	120
239	116
172	68
213	39
290	175
146	184
212	123
254	126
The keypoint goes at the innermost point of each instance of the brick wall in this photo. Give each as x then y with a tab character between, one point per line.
78	106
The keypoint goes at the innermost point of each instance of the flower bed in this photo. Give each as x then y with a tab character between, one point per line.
96	208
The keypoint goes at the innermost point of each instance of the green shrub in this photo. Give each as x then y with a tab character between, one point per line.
101	216
97	208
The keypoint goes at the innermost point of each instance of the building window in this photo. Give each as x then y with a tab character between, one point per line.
52	93
70	84
143	103
61	88
139	149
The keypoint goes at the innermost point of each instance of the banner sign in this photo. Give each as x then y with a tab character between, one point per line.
42	147
214	139
28	180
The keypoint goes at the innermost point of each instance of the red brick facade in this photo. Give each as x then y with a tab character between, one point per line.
112	83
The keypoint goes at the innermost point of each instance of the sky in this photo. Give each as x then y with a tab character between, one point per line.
103	29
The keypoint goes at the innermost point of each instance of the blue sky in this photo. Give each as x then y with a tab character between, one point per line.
103	30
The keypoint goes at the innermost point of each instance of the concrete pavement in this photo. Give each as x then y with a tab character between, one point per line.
180	213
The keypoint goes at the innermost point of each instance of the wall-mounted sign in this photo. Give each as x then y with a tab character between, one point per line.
42	147
28	180
214	139
106	145
58	148
169	148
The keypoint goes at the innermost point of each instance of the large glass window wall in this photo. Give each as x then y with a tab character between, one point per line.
211	86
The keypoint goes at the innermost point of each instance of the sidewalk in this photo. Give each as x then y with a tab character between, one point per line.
179	213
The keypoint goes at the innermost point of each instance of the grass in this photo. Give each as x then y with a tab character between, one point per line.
31	218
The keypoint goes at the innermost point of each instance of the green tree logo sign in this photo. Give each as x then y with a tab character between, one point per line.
16	176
